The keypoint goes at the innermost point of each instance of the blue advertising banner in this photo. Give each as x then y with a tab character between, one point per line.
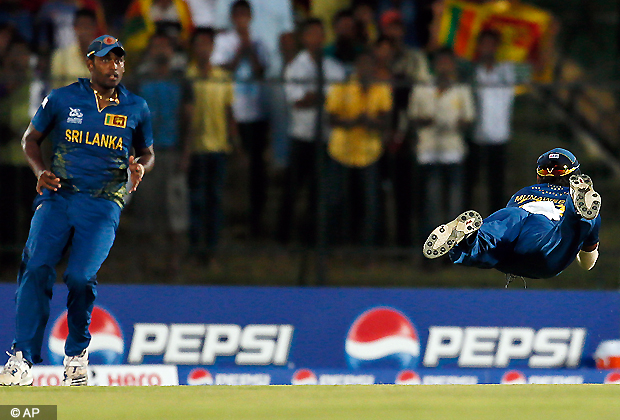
426	335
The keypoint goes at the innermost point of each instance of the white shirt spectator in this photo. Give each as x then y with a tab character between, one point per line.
441	142
495	92
301	78
203	12
270	19
248	105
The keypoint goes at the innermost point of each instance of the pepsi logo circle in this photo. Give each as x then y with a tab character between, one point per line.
382	337
106	344
513	377
408	377
199	376
612	378
304	377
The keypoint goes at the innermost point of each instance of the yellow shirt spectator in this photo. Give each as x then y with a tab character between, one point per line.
357	146
212	96
68	64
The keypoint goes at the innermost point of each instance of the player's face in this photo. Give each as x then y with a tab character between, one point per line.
107	71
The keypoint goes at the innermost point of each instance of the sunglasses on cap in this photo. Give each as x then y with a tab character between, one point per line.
556	171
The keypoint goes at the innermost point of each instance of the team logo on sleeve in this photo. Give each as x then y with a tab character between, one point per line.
75	116
112	120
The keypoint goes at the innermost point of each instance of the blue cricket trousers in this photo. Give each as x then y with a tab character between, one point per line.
517	242
61	219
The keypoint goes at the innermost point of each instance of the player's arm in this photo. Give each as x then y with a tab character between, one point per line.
141	164
587	256
31	144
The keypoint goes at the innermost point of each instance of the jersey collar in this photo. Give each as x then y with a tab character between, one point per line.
122	90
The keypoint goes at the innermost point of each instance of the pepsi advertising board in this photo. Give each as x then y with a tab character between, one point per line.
252	335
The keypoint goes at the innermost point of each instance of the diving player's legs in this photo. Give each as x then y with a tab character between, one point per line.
444	237
95	221
495	238
49	234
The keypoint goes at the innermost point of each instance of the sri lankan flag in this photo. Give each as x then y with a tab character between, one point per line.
522	27
139	27
460	24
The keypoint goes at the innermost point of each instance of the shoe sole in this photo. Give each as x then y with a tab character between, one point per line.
587	201
445	237
28	384
79	381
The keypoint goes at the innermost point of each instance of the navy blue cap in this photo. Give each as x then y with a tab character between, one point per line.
557	162
103	45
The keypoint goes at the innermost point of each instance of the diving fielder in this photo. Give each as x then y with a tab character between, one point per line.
542	230
93	125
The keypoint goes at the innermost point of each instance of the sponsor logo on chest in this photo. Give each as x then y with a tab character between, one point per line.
75	116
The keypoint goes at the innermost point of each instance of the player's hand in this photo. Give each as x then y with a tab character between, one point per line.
47	180
136	169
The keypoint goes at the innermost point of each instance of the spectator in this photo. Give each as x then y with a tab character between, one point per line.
346	47
406	9
302	95
203	12
162	199
441	111
410	67
7	34
288	49
12	12
212	128
270	20
495	91
18	187
383	53
68	63
164	42
364	15
246	56
55	22
144	17
359	112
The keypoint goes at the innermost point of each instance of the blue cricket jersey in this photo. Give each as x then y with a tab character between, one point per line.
91	146
546	244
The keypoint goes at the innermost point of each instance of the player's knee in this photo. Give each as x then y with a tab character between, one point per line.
79	281
32	272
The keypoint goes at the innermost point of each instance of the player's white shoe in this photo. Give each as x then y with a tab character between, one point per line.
587	201
17	371
76	369
445	237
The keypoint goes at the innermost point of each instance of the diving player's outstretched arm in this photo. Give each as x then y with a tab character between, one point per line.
587	256
31	144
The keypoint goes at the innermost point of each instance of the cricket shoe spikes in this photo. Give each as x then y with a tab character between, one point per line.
76	369
587	201
445	237
17	371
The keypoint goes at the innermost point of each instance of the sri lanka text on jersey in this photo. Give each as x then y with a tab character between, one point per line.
101	140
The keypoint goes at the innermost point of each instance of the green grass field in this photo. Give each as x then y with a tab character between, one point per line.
458	402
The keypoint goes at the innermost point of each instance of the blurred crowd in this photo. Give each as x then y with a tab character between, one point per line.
355	112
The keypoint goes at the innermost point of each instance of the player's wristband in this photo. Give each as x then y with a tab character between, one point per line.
587	260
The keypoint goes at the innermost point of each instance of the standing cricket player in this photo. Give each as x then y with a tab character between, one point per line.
541	231
93	125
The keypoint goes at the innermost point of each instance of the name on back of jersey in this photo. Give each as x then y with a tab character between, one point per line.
534	204
101	140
